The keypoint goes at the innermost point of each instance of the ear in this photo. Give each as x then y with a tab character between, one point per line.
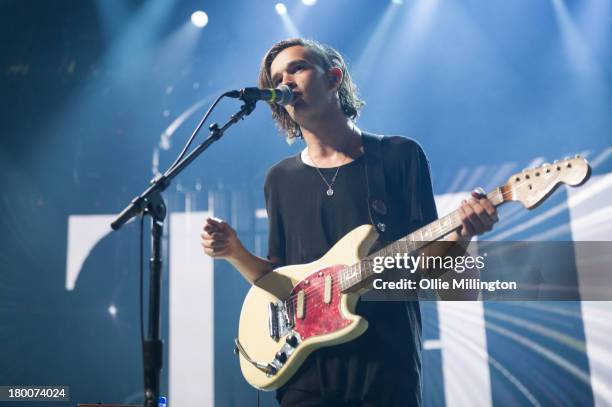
335	77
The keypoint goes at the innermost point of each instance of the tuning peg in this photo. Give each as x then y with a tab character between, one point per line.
577	156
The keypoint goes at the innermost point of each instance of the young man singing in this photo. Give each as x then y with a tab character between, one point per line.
314	198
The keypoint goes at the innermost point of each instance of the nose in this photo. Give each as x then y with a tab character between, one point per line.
288	80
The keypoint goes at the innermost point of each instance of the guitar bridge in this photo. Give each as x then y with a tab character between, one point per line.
280	319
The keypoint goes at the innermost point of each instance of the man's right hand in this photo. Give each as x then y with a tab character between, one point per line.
219	239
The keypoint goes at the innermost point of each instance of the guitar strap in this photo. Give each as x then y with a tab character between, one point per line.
375	180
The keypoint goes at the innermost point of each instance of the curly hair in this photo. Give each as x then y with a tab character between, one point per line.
327	58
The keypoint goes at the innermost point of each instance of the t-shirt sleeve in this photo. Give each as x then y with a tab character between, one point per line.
276	235
422	205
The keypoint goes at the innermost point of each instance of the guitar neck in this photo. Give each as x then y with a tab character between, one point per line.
356	274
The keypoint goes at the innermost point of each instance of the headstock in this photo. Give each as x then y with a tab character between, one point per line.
532	186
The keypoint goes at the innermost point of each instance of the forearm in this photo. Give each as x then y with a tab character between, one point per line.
250	266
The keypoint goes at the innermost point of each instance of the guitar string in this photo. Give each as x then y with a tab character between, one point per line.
316	286
437	229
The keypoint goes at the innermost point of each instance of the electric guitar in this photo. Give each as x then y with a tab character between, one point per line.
291	312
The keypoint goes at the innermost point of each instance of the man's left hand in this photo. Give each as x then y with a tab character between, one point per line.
478	215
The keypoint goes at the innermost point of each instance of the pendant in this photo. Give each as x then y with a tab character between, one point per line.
330	191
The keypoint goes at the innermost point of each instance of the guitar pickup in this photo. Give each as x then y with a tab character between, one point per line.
327	294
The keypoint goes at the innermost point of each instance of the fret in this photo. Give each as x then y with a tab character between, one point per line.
496	197
344	277
408	246
441	229
454	221
437	229
385	251
397	247
366	267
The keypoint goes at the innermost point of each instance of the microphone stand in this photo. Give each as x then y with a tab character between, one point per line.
151	202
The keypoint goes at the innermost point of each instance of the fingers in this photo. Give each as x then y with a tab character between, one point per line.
482	221
465	211
214	235
213	225
490	209
217	225
214	240
214	248
211	243
477	216
218	252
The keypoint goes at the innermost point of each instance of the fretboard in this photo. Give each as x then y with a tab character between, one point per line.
436	230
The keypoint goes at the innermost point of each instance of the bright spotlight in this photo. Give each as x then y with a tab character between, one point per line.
199	19
112	310
281	8
397	1
309	2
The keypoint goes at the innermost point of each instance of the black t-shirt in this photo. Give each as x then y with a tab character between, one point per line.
383	365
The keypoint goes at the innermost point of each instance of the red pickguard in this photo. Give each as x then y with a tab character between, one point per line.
319	318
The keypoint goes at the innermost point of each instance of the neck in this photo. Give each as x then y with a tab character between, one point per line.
336	139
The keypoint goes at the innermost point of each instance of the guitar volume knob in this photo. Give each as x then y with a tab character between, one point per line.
281	357
292	341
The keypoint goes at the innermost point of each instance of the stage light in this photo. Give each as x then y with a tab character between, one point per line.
281	8
112	310
199	19
309	2
397	1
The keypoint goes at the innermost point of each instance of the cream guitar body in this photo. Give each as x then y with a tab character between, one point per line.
291	312
320	323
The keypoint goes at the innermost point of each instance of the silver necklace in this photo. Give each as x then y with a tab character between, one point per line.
330	190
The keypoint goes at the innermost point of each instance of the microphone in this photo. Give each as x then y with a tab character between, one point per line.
282	95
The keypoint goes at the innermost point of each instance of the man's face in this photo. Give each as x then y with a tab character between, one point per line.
297	68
